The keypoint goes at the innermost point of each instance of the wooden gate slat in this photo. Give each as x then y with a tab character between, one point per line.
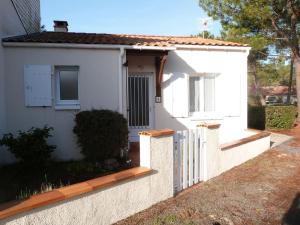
196	156
189	158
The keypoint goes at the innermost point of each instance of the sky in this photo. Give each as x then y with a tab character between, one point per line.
157	17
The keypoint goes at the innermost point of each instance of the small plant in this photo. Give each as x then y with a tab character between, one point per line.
30	147
102	134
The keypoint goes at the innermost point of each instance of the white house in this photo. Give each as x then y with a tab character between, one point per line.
154	81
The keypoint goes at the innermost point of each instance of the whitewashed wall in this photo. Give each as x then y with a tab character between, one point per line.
231	88
220	161
98	82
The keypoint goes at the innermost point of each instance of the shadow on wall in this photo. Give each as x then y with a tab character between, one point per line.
166	117
292	216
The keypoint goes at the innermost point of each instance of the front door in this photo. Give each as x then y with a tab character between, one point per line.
140	104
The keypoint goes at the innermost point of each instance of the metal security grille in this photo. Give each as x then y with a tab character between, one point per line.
138	101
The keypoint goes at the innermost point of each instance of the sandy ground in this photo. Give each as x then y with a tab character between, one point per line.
265	190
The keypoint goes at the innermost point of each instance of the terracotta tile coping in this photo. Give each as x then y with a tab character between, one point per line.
35	201
157	133
210	125
244	140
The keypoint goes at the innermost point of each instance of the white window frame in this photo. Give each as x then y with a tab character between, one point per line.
65	104
202	113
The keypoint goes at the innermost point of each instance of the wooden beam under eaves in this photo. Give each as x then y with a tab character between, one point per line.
160	65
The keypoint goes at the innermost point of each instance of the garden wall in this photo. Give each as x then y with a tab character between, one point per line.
221	158
107	199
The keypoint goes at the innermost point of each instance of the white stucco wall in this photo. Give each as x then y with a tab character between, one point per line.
219	161
231	87
98	89
112	204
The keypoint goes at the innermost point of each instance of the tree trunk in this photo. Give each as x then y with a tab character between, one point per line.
258	93
297	74
288	101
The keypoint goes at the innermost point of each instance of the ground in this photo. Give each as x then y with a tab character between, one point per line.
265	190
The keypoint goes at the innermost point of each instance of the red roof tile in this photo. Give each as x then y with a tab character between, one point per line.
116	39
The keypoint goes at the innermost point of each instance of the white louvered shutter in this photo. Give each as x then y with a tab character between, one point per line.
37	80
180	106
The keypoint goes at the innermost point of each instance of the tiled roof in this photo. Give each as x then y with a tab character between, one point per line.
116	39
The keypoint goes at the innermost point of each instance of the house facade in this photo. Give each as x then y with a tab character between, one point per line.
154	81
17	17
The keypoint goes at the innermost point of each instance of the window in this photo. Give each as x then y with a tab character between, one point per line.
202	93
67	85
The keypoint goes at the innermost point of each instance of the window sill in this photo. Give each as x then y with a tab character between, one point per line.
67	107
206	116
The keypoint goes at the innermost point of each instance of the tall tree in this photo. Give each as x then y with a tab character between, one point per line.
271	19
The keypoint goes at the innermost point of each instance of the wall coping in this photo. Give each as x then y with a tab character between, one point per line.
209	125
246	140
60	194
157	133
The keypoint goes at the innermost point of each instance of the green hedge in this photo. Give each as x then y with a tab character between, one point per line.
101	134
280	117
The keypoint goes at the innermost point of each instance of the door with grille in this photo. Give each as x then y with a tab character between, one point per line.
140	103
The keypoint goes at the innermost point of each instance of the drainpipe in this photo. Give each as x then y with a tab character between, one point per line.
122	52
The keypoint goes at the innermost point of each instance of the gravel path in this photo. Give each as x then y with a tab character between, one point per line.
265	190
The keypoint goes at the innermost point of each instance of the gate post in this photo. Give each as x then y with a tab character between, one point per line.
211	150
156	152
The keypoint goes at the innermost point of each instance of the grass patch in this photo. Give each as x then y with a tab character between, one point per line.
171	219
20	182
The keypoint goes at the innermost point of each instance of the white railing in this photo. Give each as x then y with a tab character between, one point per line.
189	158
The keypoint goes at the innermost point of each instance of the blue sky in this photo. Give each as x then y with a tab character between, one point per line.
161	17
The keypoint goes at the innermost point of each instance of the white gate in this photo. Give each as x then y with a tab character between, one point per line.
189	158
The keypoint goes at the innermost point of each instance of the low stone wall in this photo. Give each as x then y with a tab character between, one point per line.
104	202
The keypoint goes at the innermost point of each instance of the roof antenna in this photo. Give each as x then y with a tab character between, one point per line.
205	25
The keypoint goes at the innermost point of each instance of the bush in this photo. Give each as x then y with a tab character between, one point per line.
280	117
102	134
30	147
256	117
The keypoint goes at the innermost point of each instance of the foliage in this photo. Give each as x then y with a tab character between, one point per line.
30	147
205	34
256	117
102	134
262	22
280	117
274	73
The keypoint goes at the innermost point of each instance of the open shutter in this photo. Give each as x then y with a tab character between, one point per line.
180	106
37	80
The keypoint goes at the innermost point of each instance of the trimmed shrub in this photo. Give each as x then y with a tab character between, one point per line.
256	117
30	147
280	117
101	134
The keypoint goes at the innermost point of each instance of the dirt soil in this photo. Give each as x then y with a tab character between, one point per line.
265	190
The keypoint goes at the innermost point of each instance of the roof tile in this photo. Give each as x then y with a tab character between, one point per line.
118	39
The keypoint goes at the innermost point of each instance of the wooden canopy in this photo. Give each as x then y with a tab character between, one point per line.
160	61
